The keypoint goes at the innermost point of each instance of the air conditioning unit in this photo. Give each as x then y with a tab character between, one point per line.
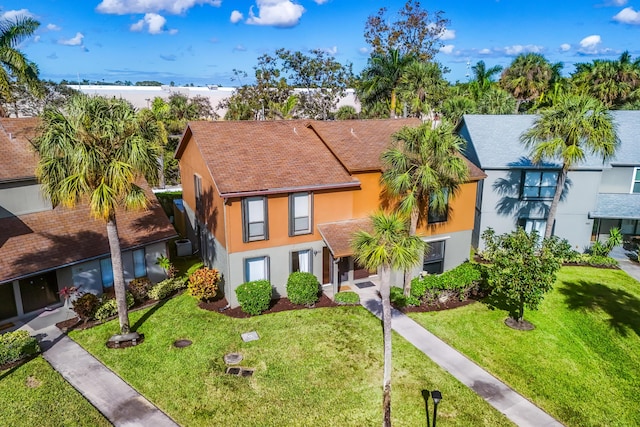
183	247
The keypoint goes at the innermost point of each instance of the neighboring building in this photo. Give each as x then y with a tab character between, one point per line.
598	195
266	198
44	249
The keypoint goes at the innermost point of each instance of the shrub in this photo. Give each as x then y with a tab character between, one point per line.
254	297
347	298
162	290
109	307
303	288
203	283
139	288
597	261
397	297
460	281
86	306
17	345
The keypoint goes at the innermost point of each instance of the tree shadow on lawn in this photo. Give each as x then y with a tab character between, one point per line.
496	300
622	307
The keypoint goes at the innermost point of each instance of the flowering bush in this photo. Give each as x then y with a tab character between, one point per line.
203	283
139	288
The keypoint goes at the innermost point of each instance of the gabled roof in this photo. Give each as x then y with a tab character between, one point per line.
493	141
338	235
245	157
17	157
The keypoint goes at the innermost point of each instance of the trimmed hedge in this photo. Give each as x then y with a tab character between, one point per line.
458	282
254	297
347	297
164	289
399	300
303	288
110	308
17	345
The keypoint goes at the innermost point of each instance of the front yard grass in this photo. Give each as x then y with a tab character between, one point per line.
33	394
320	367
581	363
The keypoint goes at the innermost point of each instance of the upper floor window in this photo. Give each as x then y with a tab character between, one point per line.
254	214
635	186
197	190
539	184
435	215
299	213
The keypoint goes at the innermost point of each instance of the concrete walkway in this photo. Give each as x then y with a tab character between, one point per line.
630	267
514	406
114	398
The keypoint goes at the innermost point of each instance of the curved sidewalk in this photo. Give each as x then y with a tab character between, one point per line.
114	398
514	406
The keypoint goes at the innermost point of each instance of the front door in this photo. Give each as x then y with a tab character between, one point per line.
39	291
343	270
327	261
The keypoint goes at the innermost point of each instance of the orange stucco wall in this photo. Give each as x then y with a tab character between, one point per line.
213	206
328	206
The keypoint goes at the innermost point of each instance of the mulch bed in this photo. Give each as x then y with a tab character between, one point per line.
75	323
18	362
277	305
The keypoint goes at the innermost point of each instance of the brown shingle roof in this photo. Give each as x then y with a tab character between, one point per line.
46	240
359	143
248	156
338	235
17	158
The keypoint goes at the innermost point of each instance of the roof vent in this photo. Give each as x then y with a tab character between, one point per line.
10	136
295	131
352	131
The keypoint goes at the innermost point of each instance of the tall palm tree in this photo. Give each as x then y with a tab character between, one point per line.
528	76
496	101
577	125
14	65
94	150
388	246
422	169
456	106
380	80
422	87
482	79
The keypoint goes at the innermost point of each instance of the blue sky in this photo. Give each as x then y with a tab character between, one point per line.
202	41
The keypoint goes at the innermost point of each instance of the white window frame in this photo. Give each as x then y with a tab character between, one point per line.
197	191
635	180
298	203
251	217
293	254
247	268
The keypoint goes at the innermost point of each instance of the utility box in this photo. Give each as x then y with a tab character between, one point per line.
183	247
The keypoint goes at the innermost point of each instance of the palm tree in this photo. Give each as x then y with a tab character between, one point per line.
528	77
94	150
457	106
421	170
14	65
388	246
482	78
496	101
422	87
381	78
575	126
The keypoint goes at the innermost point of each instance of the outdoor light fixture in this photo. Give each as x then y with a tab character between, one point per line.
437	397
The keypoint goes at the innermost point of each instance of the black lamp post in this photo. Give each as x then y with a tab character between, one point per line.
437	397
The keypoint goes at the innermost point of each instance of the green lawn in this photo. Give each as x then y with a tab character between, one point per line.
33	394
320	367
581	363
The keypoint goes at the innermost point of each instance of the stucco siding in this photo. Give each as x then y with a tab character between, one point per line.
616	180
22	199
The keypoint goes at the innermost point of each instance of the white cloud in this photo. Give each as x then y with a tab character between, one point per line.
447	49
36	39
12	15
239	48
74	41
616	3
485	51
277	13
590	42
517	49
53	27
364	50
448	34
236	17
320	1
154	23
175	7
628	16
330	50
565	47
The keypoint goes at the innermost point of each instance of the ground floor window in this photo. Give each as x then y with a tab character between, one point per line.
256	268
301	261
139	263
433	262
530	224
106	271
7	301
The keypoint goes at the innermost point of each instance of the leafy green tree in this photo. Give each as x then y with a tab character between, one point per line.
456	106
380	80
416	32
388	246
422	87
346	112
528	77
575	126
523	268
496	101
15	68
24	103
95	150
482	79
422	169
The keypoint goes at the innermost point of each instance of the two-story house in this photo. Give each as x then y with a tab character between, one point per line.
44	249
266	198
597	196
